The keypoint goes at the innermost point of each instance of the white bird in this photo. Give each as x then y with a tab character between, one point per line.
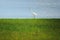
35	14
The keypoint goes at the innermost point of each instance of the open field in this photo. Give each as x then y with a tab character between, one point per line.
29	29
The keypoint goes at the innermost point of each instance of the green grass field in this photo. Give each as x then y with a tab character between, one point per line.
29	29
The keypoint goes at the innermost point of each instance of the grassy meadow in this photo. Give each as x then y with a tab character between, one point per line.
29	29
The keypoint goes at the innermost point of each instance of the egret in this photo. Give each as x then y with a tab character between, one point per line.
34	14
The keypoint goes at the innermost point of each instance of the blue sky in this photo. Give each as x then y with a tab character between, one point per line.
22	8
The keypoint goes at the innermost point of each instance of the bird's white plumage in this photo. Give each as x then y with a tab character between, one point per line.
34	13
